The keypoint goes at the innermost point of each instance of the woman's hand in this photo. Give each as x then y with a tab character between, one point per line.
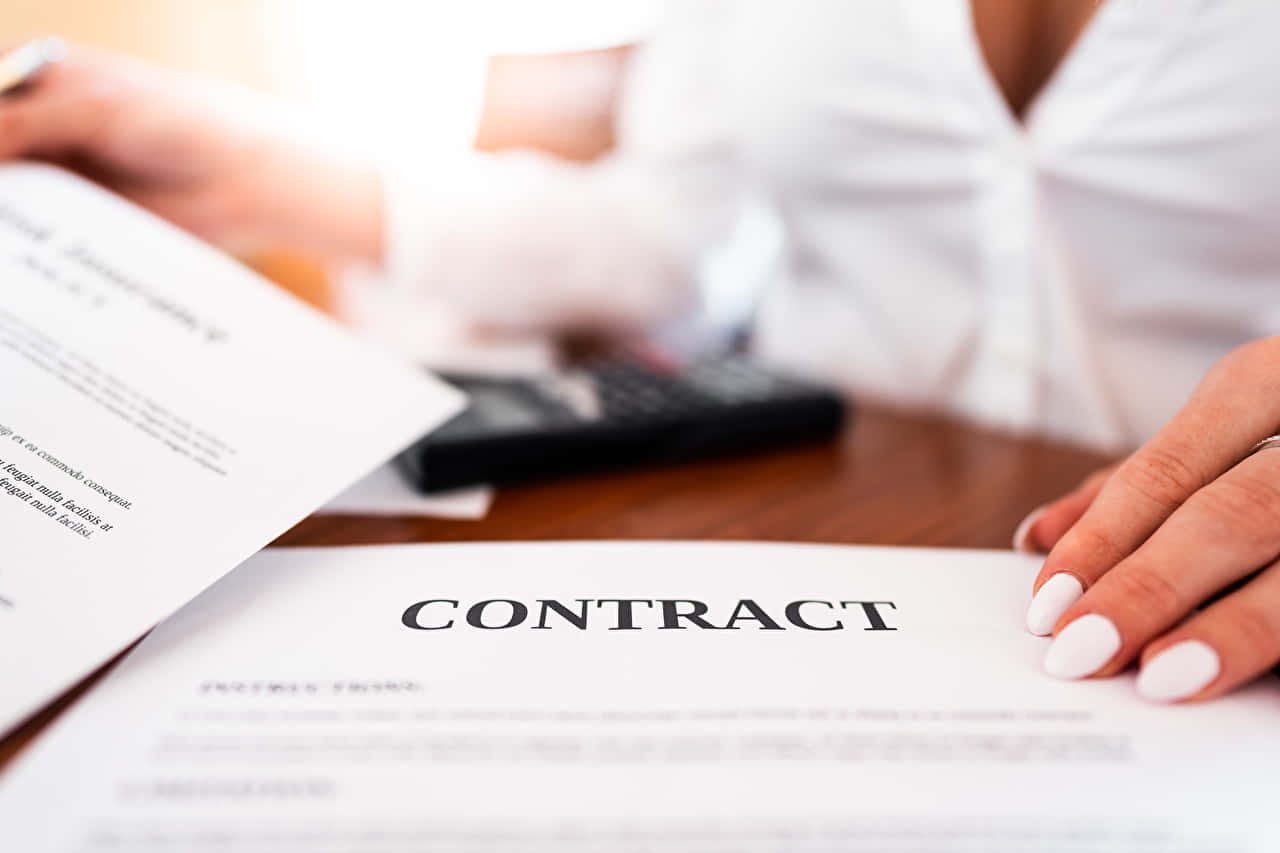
213	160
1138	549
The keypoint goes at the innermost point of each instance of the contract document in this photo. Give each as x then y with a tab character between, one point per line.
164	413
615	696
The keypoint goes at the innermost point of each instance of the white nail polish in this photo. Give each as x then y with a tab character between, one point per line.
1051	601
1179	671
1083	647
1021	541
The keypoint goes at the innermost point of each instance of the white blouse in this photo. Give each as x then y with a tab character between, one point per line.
1072	275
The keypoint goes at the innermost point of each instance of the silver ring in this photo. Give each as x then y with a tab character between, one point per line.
1266	444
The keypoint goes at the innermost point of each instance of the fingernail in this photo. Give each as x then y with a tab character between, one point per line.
1051	601
1182	670
1083	647
1022	536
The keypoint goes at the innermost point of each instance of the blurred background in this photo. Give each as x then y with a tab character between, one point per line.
492	74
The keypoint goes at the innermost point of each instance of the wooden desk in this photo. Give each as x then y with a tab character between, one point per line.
891	479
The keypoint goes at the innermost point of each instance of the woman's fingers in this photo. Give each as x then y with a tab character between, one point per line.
1229	644
1237	403
64	108
45	123
1041	531
81	105
1224	533
1044	526
1128	508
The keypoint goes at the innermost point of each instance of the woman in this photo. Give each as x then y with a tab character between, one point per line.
1052	216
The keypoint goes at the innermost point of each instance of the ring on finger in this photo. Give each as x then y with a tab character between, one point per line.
1269	443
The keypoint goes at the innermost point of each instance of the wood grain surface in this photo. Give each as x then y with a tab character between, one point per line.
889	479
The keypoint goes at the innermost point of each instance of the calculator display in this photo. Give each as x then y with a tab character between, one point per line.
496	407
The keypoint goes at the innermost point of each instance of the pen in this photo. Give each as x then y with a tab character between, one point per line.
24	62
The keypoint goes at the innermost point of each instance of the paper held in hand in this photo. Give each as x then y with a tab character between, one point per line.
164	413
621	697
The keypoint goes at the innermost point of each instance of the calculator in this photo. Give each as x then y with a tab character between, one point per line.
614	412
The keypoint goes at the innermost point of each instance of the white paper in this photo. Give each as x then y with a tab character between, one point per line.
163	414
385	491
291	708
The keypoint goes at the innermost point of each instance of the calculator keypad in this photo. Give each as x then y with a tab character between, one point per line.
631	392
